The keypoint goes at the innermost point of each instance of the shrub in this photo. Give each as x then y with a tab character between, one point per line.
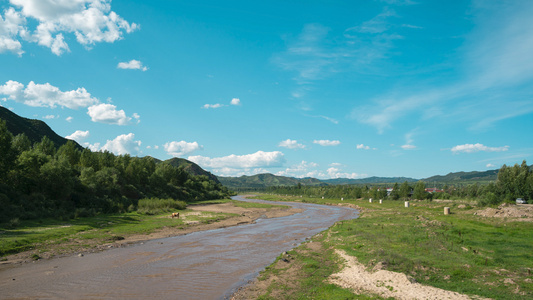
152	206
489	199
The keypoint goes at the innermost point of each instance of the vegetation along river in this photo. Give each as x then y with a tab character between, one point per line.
202	265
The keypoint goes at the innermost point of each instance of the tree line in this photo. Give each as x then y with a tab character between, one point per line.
512	182
41	180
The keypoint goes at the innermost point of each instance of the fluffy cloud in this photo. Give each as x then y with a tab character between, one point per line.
235	101
69	119
108	114
50	117
91	21
291	144
132	65
490	166
363	147
260	159
46	95
181	148
78	136
337	173
327	142
471	148
123	144
10	25
301	170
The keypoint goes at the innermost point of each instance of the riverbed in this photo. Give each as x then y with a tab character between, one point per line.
201	265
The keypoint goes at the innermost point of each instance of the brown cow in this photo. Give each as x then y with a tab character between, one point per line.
177	215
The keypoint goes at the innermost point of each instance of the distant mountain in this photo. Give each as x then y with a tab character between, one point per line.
190	167
490	175
33	129
369	180
265	180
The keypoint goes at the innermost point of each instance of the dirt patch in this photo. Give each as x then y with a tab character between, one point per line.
522	212
385	283
80	246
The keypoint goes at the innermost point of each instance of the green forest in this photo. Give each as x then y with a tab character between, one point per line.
512	182
40	180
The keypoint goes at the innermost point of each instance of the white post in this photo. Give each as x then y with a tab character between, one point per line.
406	203
370	200
380	201
446	210
342	199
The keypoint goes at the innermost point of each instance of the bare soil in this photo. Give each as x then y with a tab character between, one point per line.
78	246
514	212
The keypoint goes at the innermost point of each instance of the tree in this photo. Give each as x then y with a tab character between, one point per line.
405	190
7	154
395	193
420	190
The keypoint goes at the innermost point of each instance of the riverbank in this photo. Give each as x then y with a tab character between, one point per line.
407	253
47	239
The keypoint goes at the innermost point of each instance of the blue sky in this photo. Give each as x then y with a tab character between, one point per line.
324	89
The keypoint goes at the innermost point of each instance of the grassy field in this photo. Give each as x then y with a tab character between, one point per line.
461	252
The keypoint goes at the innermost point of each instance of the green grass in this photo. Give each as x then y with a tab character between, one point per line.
44	234
460	252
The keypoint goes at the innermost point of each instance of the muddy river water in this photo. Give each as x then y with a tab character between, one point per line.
202	265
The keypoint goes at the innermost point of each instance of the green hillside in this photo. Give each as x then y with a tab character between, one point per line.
190	167
33	129
266	180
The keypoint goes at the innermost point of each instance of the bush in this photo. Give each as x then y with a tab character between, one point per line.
152	206
489	199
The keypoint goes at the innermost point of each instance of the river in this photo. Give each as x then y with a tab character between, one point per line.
202	265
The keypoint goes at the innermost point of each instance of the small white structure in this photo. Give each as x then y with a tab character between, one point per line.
342	199
380	201
322	197
446	210
370	200
406	203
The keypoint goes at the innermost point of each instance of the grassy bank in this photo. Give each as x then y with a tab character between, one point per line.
53	236
462	252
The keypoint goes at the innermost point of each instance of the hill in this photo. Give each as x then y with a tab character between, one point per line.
33	129
266	180
190	167
465	177
369	180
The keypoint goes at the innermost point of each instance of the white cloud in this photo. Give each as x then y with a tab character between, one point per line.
260	159
408	147
108	114
46	95
78	136
132	65
123	144
490	166
471	148
327	142
207	106
91	21
291	144
50	117
10	26
363	147
234	102
181	148
303	169
337	173
69	119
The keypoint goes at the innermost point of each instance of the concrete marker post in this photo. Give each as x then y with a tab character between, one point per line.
406	203
446	210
